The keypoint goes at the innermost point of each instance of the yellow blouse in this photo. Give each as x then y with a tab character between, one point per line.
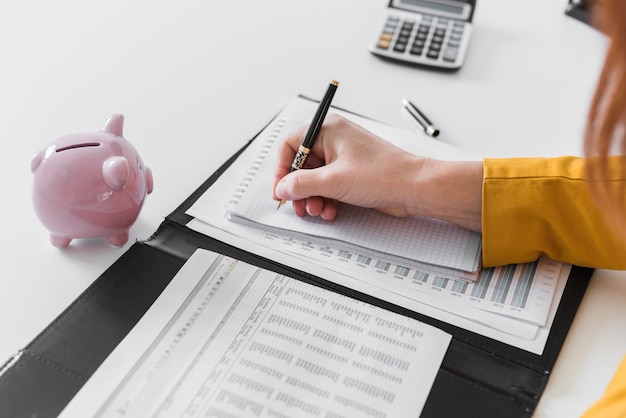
543	207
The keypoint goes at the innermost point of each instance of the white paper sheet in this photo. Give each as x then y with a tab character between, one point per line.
229	338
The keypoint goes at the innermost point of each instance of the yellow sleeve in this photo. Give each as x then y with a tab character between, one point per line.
536	207
613	402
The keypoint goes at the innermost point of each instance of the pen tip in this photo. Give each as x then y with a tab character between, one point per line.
334	82
282	202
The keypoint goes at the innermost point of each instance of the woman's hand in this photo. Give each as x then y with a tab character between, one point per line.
351	165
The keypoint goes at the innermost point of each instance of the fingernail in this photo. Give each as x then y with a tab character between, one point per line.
280	190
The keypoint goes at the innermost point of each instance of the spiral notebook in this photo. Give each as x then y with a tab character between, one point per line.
415	239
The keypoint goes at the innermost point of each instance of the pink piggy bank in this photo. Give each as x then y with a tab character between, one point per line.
90	185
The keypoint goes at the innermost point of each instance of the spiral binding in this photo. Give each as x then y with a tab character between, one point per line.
258	161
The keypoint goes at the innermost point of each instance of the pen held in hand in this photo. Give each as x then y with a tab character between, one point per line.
313	131
420	118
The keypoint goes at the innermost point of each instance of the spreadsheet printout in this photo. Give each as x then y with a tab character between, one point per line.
226	338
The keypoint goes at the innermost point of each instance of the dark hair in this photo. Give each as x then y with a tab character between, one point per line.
605	133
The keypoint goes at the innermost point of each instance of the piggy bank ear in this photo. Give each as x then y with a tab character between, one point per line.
115	125
36	161
115	172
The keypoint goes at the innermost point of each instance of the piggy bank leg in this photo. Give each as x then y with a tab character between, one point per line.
118	240
59	242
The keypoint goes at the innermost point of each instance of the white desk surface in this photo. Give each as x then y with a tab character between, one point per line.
197	79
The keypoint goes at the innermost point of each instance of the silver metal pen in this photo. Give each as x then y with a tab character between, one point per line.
420	118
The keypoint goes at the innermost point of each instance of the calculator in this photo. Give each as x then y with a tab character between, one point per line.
432	33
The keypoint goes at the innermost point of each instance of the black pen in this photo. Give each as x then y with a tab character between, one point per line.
314	129
420	118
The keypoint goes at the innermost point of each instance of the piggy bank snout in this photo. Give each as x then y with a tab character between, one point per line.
149	180
115	171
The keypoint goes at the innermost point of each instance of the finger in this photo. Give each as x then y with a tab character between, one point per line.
299	207
286	151
330	210
303	184
315	205
288	147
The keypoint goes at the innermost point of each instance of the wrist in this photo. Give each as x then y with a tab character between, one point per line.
449	191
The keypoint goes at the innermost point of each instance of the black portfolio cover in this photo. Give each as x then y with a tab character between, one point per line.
479	376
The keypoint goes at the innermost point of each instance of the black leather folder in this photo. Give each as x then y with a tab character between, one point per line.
479	376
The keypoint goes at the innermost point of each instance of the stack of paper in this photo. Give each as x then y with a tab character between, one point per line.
371	252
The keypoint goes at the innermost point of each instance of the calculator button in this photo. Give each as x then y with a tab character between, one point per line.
416	51
384	42
389	29
402	39
434	47
399	47
450	54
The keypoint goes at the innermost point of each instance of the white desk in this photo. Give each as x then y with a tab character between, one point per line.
196	79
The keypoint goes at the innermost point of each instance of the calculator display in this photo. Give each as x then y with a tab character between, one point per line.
443	7
449	8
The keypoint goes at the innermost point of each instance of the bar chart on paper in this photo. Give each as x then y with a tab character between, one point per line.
521	291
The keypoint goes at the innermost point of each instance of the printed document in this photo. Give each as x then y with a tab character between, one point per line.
226	338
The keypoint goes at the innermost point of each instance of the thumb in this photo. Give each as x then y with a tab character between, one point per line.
301	184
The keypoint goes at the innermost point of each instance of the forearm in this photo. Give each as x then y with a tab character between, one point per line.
450	191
